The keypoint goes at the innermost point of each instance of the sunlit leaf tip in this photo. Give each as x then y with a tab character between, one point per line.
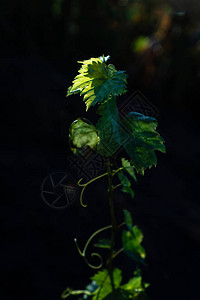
96	81
104	58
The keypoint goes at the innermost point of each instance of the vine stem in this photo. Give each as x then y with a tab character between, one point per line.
118	252
113	222
84	185
83	253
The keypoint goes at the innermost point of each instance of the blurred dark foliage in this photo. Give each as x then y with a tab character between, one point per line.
158	44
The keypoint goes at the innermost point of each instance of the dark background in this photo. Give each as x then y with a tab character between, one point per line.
158	44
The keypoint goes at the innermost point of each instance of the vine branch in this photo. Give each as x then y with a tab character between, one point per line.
113	220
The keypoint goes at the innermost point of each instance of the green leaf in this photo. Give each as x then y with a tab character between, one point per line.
108	128
103	243
126	184
131	242
82	133
102	279
134	283
135	286
140	139
128	168
103	276
101	288
97	81
128	219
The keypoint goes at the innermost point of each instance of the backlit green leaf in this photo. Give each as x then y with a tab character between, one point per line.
103	280
97	81
140	139
135	286
82	133
125	183
128	168
134	283
131	242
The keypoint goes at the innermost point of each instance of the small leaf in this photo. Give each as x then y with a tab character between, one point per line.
102	279
135	286
103	243
134	283
128	168
126	184
82	133
131	242
128	190
128	219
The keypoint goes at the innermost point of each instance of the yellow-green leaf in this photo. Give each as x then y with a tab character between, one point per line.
82	133
96	81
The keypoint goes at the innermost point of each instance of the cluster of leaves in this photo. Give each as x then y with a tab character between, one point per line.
100	84
100	287
131	240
